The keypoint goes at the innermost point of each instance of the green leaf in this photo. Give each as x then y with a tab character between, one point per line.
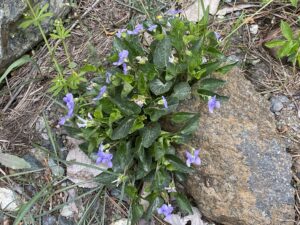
225	69
155	202
20	62
182	117
123	156
286	49
211	84
177	164
162	53
275	43
141	155
158	87
205	94
137	212
123	129
106	178
127	107
183	203
161	179
191	126
294	2
150	133
158	151
286	30
13	162
182	91
25	24
131	191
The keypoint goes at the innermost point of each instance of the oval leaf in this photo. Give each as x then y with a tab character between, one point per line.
150	133
162	53
123	129
158	87
13	162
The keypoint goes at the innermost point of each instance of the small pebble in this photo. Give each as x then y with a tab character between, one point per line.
64	221
254	29
276	107
49	220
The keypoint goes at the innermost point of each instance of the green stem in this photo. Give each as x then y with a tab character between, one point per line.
45	39
66	51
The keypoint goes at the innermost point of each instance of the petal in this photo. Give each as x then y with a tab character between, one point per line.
218	105
188	155
98	161
62	121
188	162
197	161
159	211
109	164
196	153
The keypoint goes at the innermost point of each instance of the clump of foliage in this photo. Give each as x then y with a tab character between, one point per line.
289	45
122	110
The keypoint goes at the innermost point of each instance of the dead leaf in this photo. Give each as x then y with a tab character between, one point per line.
8	200
74	208
82	175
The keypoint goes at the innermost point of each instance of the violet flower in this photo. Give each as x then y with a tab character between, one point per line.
122	57
120	32
174	11
218	36
125	70
69	100
213	103
104	158
193	158
108	77
165	102
101	93
138	28
166	210
152	27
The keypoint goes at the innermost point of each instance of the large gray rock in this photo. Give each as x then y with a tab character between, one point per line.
245	174
14	42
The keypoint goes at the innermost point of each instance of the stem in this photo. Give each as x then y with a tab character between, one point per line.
66	51
45	39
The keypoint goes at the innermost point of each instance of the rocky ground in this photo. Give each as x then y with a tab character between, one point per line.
246	176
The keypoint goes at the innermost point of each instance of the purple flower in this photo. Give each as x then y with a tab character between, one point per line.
108	77
218	36
166	210
122	57
193	158
120	32
174	11
152	27
69	100
101	93
124	65
165	102
104	158
213	103
138	28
